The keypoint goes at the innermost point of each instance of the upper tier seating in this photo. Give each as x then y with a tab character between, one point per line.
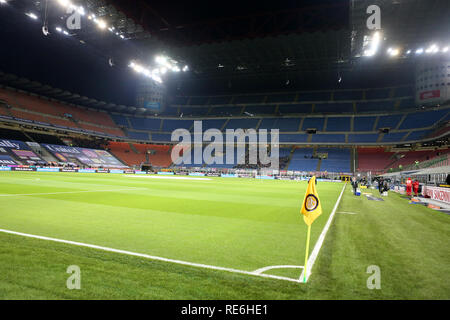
44	111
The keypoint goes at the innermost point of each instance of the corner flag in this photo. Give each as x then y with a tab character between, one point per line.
311	208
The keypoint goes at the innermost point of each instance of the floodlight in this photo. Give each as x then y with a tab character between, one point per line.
58	29
445	49
101	24
419	51
393	52
432	49
3	2
185	68
31	15
81	11
65	3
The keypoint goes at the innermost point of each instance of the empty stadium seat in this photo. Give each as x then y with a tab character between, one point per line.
145	123
359	138
333	107
338	124
390	121
423	119
328	138
313	123
363	123
294	108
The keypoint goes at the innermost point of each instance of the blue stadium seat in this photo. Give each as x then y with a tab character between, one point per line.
338	124
161	137
300	163
170	125
333	107
417	135
338	160
389	121
293	138
423	119
328	138
311	123
281	98
145	124
120	120
247	123
283	124
213	124
363	123
263	109
284	152
295	108
138	135
393	137
194	111
225	111
360	138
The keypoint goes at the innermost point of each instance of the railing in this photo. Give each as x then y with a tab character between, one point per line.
439	161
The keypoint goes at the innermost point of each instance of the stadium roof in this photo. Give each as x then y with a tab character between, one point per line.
264	44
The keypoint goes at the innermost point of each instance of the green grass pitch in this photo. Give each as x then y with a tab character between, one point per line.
243	224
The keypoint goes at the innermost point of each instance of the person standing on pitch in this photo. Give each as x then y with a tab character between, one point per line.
354	185
416	187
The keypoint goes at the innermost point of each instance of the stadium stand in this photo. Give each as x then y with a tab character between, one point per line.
33	108
302	160
338	160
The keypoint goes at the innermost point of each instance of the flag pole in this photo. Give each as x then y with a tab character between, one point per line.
305	270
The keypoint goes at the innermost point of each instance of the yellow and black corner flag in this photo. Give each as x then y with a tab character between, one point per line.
311	208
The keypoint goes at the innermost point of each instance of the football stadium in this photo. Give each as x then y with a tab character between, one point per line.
289	150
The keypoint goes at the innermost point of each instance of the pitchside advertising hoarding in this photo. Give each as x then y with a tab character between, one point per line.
12	149
437	193
88	157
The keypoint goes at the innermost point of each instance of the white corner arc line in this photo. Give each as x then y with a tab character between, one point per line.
262	270
141	255
319	243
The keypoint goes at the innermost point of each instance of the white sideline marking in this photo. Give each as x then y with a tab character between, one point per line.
141	255
167	177
315	252
347	212
262	270
63	192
